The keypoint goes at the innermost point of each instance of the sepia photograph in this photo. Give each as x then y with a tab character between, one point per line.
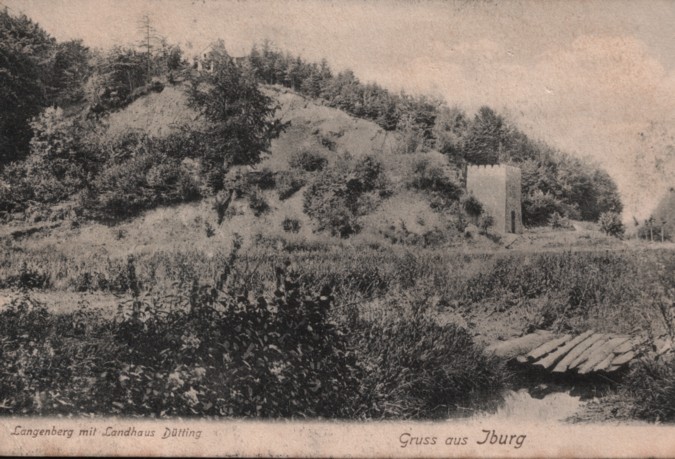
372	228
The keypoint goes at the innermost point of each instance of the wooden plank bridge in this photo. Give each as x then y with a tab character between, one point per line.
585	353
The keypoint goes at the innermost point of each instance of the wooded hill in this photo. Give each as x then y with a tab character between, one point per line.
61	103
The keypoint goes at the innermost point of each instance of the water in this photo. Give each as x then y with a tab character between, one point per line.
521	406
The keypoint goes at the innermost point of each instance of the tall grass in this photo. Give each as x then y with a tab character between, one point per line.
608	290
217	350
402	359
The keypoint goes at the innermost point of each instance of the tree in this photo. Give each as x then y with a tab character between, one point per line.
24	47
485	222
607	193
486	138
241	118
149	37
67	73
450	130
118	74
610	224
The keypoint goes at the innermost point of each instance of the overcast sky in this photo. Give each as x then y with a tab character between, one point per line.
594	78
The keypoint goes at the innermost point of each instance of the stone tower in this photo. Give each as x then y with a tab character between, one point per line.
498	190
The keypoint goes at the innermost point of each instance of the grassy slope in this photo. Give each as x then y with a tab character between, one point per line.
311	126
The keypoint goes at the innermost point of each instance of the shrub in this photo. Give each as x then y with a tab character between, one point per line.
610	224
221	204
307	160
343	192
472	206
144	180
60	161
288	183
485	222
538	208
264	178
418	369
210	232
291	225
433	180
336	218
24	318
401	235
649	388
27	278
557	221
257	202
15	191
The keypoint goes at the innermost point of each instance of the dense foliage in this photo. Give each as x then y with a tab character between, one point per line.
344	191
218	351
142	174
409	371
35	72
39	72
69	154
650	390
390	310
441	186
242	118
552	181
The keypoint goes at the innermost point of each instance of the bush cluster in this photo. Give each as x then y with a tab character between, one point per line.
434	181
400	234
212	352
307	160
291	225
649	389
539	207
420	369
143	174
288	183
217	351
343	192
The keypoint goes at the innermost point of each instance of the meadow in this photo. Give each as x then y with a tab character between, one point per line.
312	329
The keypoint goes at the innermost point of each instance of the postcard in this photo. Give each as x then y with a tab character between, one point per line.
337	228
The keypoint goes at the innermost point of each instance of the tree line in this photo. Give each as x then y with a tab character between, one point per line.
553	181
38	72
54	141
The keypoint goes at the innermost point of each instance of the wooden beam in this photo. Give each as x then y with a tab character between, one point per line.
589	351
601	354
573	354
514	347
623	358
547	347
623	348
554	357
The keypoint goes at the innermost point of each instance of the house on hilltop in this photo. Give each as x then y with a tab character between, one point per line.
498	188
203	61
